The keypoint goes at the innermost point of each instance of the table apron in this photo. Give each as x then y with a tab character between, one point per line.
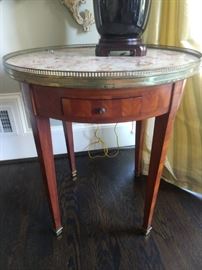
101	106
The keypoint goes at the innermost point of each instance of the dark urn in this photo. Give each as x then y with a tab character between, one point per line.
121	24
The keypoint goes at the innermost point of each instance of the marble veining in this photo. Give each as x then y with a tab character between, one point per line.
82	62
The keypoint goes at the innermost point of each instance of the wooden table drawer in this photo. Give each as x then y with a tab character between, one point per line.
105	110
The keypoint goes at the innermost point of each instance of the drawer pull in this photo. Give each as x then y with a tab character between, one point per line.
100	110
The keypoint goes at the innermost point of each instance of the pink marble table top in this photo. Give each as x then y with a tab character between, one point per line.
81	63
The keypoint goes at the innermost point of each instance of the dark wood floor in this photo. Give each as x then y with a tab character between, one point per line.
101	213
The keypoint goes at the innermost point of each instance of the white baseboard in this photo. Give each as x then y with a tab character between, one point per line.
21	145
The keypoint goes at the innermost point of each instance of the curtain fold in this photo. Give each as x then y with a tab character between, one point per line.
178	23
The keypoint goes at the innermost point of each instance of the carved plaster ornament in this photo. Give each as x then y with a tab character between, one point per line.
85	18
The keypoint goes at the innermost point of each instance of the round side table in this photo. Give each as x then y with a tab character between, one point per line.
73	85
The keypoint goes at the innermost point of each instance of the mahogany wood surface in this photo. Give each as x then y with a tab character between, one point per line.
42	137
68	132
103	106
162	132
139	140
102	110
79	105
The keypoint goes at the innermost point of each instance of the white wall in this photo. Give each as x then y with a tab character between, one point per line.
36	23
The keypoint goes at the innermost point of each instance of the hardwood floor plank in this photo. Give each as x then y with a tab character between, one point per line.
101	214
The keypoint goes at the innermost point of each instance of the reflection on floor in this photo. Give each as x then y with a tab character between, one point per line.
101	212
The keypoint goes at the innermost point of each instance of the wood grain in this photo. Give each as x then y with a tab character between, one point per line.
68	132
102	110
101	212
162	133
42	136
77	105
103	106
139	140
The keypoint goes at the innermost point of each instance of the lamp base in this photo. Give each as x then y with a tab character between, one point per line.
134	46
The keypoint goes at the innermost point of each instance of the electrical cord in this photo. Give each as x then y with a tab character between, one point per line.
106	152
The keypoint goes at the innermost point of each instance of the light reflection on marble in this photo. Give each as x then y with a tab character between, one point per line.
83	60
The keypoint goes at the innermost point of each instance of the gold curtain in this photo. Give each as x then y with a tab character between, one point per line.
178	23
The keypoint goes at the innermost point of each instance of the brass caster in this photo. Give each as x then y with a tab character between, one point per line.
74	175
147	231
58	232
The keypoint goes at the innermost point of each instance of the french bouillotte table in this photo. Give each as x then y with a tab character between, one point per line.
73	85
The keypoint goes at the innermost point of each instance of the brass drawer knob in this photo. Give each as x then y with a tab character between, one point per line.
100	110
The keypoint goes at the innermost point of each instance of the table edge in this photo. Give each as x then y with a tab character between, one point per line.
109	79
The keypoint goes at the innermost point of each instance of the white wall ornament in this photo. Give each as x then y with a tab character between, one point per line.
85	19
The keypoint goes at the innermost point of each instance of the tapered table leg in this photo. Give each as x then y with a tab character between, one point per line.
67	126
42	136
162	132
139	140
